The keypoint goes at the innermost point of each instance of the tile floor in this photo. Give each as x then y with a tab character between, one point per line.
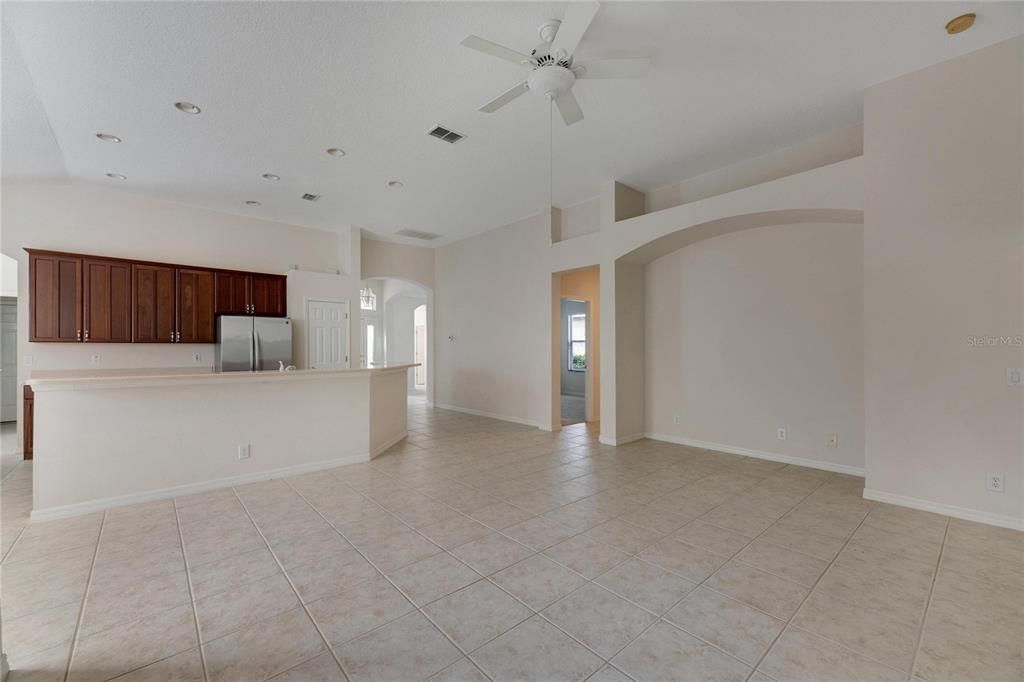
484	550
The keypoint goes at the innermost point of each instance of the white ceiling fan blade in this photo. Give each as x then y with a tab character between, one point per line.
504	98
575	23
569	108
495	50
616	68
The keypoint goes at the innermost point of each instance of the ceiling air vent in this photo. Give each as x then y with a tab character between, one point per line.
449	136
310	197
417	234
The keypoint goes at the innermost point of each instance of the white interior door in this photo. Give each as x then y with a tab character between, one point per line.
326	334
9	358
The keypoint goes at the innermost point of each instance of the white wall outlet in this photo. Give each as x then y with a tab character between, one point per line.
96	359
676	419
833	440
780	433
197	358
1015	377
244	451
995	483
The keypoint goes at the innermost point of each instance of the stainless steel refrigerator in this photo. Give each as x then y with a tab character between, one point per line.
251	344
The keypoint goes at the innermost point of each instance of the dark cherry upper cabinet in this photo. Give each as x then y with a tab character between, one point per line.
107	301
195	306
232	292
153	304
268	295
55	297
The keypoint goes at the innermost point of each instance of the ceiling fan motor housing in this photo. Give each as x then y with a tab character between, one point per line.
551	81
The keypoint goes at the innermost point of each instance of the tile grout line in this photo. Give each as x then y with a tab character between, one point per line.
85	598
298	596
191	591
928	601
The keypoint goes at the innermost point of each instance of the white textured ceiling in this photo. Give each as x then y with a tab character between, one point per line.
280	82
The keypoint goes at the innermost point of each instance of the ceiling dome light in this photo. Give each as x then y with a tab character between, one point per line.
252	203
395	184
117	176
271	177
960	23
334	151
187	107
108	138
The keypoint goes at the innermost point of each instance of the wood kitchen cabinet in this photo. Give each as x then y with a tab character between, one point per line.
232	291
240	293
153	304
195	306
268	295
107	301
55	297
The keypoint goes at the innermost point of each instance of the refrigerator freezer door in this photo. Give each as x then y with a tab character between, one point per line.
272	340
234	350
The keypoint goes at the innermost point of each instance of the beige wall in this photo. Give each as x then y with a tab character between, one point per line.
943	247
755	330
492	295
388	259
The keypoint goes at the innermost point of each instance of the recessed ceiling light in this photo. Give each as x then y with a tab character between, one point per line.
334	151
395	184
960	23
271	177
116	176
252	203
187	107
108	138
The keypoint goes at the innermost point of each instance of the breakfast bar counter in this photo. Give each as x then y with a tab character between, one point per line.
114	437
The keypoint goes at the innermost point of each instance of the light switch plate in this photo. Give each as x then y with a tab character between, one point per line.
1015	376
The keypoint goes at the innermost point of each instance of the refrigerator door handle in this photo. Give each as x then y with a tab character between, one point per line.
256	342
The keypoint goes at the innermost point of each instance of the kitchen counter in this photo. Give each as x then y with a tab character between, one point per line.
105	438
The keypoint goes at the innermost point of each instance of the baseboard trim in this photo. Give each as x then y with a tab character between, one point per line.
64	511
946	509
759	454
608	440
388	443
491	415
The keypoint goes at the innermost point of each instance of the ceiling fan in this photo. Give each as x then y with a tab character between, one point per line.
552	68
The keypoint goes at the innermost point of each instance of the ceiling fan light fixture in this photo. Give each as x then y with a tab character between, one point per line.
336	151
395	184
270	177
106	137
187	107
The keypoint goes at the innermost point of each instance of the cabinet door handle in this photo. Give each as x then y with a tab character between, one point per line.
78	334
86	334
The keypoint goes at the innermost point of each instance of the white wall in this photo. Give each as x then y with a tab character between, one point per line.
755	330
400	261
493	295
8	276
943	249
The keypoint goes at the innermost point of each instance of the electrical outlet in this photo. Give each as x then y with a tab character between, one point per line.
833	441
994	483
1015	377
676	419
780	433
96	359
244	451
197	358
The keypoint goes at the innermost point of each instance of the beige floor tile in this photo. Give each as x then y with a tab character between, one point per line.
588	557
647	585
40	630
538	581
264	649
232	572
433	578
909	546
608	674
770	593
310	547
599	619
539	533
137	643
624	536
224	612
903	600
322	668
686	560
424	513
803	657
812	544
476	614
184	667
500	515
48	665
718	540
204	548
372	529
667	653
358	609
455	531
658	520
783	562
742	631
536	650
884	565
108	604
409	648
399	550
492	553
460	671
